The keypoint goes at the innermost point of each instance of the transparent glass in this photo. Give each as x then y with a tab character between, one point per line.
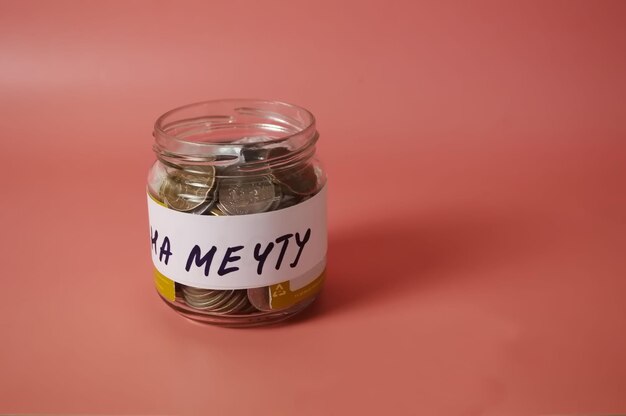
234	157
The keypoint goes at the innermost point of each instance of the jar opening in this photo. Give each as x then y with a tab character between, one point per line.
197	129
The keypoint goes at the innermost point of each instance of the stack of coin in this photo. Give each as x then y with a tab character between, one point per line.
202	190
218	301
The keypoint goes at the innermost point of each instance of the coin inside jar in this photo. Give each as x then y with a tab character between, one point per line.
259	297
296	179
300	180
214	211
156	177
217	301
189	190
247	195
254	150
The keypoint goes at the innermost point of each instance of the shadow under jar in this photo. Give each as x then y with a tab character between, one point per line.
237	209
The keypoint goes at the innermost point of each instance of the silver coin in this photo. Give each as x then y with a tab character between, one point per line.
202	297
192	291
210	303
300	179
218	301
200	294
156	177
247	195
278	201
249	309
188	190
231	304
213	297
241	306
244	305
199	291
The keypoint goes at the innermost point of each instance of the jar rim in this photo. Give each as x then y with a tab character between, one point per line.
301	127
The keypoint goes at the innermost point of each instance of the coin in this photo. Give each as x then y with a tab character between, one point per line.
277	201
213	299
156	177
201	294
247	195
289	201
214	211
254	148
204	208
255	154
217	301
259	297
233	303
298	180
188	191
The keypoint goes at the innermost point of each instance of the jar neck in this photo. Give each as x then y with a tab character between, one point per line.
240	135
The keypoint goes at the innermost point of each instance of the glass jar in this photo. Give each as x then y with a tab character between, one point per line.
237	209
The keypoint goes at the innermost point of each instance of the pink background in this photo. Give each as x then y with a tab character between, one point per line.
476	155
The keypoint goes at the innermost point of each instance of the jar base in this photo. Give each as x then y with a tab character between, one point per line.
238	321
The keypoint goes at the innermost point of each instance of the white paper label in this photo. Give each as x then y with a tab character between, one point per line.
237	252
